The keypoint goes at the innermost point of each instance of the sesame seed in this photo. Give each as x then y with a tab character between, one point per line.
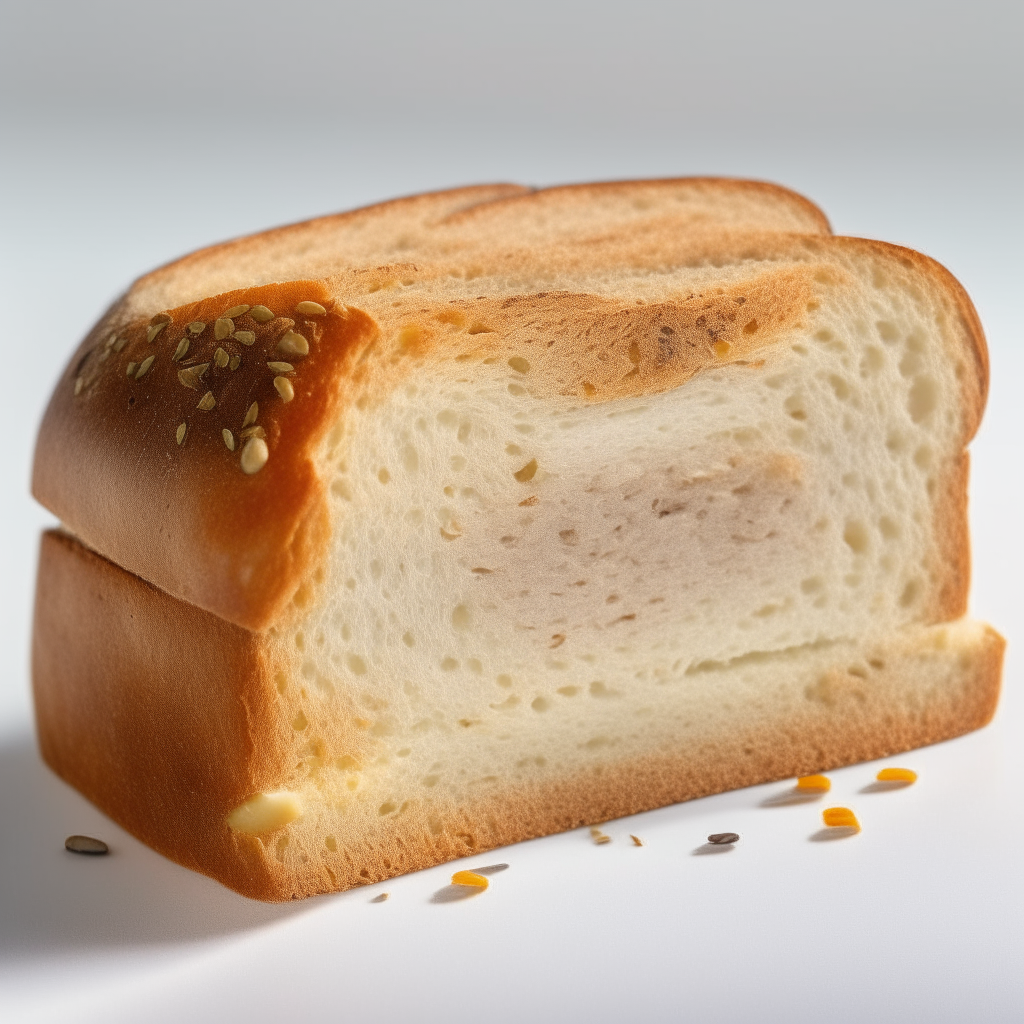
111	340
120	344
236	362
254	455
229	439
190	376
130	369
281	367
723	838
245	337
256	431
284	388
293	344
250	414
207	402
180	432
221	358
261	314
155	330
235	311
197	327
223	328
181	350
310	309
161	318
79	384
144	368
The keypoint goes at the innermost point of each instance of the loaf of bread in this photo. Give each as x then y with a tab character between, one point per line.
399	535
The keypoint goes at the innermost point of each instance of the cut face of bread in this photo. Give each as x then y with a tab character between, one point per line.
459	562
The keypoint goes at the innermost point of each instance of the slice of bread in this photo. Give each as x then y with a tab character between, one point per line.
405	562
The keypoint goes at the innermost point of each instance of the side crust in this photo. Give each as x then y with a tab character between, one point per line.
167	718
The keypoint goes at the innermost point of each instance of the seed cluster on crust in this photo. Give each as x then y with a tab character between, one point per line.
199	353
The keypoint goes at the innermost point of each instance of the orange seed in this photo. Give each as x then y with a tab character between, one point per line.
813	784
470	878
840	817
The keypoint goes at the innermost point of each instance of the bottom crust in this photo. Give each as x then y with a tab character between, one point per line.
166	718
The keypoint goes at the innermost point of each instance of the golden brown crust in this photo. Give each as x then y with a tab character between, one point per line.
794	212
269	247
168	495
167	718
132	685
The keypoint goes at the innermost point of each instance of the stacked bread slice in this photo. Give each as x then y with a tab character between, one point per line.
471	517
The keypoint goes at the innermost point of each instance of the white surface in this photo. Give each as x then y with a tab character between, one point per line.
919	918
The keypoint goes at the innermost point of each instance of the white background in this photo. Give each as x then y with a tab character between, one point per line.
133	132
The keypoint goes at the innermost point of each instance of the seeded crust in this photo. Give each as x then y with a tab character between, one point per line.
109	670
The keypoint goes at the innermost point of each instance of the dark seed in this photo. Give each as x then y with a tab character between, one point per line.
86	844
723	838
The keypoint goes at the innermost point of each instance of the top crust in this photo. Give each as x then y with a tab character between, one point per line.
458	224
638	310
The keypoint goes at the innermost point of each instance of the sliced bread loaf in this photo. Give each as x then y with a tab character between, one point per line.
384	567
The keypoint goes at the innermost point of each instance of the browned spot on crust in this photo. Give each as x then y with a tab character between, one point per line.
173	524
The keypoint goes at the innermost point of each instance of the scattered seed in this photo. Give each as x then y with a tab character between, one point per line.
284	388
236	362
723	838
261	314
229	439
905	775
144	368
293	344
840	817
470	878
813	784
245	337
250	414
128	370
235	311
191	376
80	383
87	845
256	431
207	402
254	455
308	308
180	432
223	328
156	329
182	350
598	836
281	367
637	841
197	327
380	897
221	358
